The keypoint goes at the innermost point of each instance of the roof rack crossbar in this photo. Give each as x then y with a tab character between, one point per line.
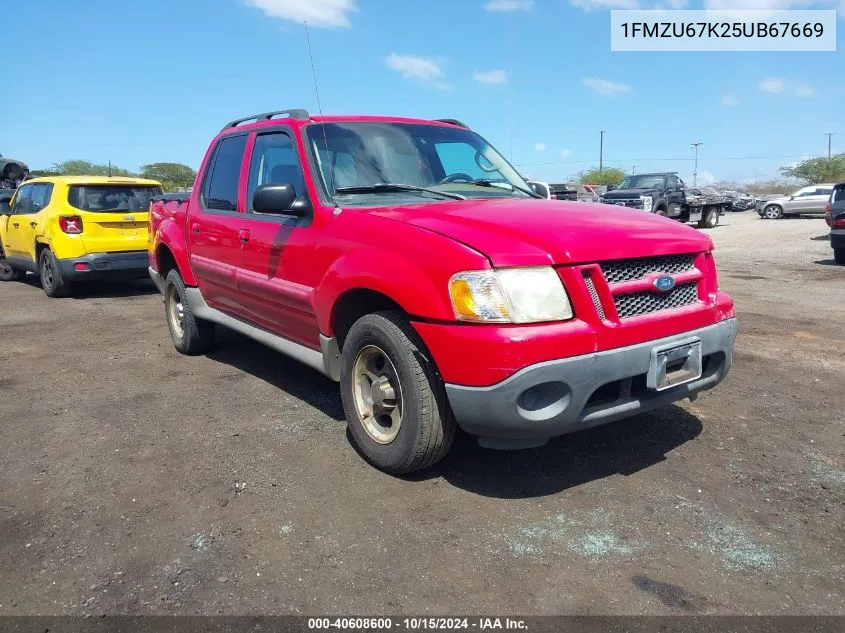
453	122
300	114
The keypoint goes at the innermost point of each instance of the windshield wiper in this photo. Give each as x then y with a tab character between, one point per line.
382	187
483	182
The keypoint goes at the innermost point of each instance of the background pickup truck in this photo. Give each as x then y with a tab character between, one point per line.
665	194
407	260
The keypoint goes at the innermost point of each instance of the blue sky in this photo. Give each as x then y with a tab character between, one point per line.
140	82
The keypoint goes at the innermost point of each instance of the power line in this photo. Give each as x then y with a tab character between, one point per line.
629	161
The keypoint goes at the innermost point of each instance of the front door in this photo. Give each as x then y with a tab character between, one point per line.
213	227
23	222
271	279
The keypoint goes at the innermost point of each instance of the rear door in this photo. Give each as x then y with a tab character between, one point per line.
114	216
276	249
213	228
819	200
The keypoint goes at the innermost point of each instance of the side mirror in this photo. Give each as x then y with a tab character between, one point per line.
792	197
540	188
611	187
278	200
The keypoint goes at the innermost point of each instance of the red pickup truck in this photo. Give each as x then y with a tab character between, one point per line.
407	260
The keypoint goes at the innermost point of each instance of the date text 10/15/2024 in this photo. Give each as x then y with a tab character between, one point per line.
417	624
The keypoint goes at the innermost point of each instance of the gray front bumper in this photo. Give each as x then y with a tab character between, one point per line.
576	393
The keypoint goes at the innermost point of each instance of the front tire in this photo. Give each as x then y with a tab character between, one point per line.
773	212
190	335
710	219
393	397
839	256
52	280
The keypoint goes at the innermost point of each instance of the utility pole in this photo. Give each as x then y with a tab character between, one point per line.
695	169
601	151
633	170
109	169
828	135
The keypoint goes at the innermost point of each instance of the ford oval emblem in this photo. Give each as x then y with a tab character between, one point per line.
664	283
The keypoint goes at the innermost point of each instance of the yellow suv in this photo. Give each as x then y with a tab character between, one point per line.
69	228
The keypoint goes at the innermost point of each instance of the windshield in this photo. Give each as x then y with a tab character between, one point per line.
642	182
107	198
448	159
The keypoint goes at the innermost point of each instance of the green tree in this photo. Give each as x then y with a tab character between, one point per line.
172	176
815	170
78	167
610	176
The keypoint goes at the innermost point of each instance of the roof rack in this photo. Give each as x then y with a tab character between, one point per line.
453	122
299	114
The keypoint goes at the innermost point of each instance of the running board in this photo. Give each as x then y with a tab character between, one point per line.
325	362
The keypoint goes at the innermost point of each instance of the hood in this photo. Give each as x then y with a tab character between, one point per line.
629	193
530	232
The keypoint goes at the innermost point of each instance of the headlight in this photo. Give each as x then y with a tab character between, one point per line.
646	202
510	295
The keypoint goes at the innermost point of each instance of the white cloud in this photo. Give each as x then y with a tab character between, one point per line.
565	153
509	5
414	67
804	90
540	147
778	85
323	13
492	77
590	5
729	101
604	86
773	85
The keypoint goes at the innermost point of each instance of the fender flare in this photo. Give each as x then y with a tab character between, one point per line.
407	285
172	237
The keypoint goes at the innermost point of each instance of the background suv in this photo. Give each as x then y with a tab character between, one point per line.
810	200
68	228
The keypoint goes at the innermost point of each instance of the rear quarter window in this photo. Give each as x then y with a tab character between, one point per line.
838	194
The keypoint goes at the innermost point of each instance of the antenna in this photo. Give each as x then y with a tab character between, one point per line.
319	108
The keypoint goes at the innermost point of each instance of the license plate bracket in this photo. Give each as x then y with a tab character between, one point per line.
675	364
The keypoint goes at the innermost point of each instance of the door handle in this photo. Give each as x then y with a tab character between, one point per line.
33	224
195	228
243	234
15	224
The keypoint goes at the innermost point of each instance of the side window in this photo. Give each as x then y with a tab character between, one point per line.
823	191
672	183
40	196
220	189
274	161
23	200
459	158
803	193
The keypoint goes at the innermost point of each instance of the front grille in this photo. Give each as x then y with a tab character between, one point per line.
591	288
637	303
632	203
631	269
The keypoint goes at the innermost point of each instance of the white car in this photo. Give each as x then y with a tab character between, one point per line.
809	200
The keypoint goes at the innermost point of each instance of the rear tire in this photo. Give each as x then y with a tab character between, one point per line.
52	281
393	396
710	219
190	335
7	271
839	256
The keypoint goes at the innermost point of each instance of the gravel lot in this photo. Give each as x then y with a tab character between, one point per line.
135	480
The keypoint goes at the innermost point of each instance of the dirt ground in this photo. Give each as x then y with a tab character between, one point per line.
135	480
